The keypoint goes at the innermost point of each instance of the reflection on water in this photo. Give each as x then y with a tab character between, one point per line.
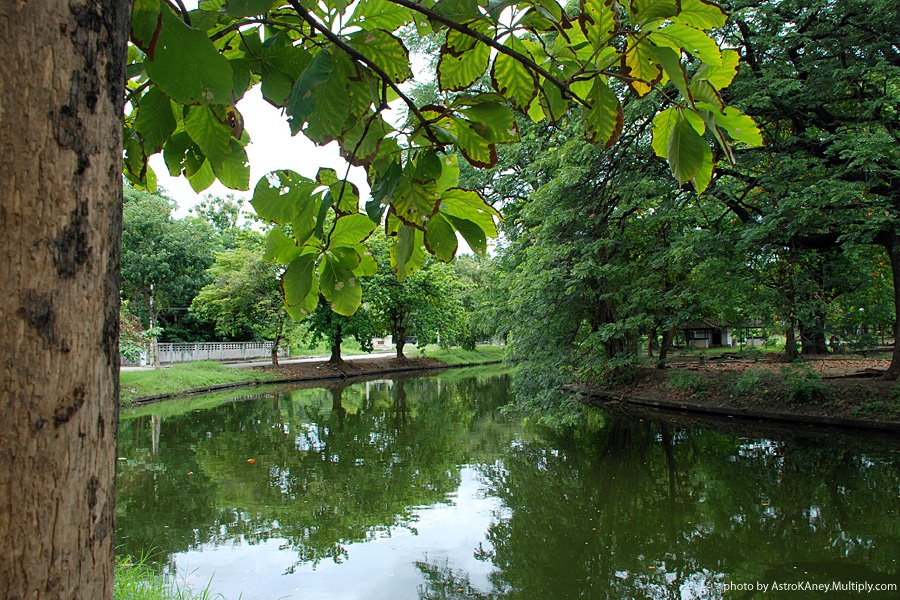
424	488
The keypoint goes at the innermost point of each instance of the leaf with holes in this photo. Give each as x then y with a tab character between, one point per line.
186	65
339	286
280	196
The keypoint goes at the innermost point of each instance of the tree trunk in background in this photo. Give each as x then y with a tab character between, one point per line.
336	342
812	335
893	371
790	342
668	336
61	95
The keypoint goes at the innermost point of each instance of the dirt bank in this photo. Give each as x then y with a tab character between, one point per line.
822	390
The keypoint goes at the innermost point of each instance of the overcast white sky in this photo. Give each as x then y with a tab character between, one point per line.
271	147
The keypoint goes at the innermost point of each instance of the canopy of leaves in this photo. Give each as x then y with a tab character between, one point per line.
334	68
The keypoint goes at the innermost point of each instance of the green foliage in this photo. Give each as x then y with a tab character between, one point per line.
335	67
802	383
750	382
243	298
686	381
164	263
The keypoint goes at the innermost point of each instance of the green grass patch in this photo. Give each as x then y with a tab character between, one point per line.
137	580
459	356
182	378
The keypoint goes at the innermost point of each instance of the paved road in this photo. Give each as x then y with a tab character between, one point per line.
285	361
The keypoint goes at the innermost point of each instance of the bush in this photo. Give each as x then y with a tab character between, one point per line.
802	383
687	381
750	380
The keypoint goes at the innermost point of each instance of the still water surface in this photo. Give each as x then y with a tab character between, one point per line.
425	488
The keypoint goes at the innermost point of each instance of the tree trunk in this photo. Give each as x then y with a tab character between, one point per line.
399	334
652	342
336	342
893	371
812	335
790	342
668	336
275	344
61	103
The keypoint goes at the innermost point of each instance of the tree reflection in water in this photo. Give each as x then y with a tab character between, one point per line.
622	508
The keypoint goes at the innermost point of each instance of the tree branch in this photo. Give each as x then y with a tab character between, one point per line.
352	52
563	87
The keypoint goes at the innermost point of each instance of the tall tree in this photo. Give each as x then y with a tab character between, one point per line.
60	219
243	297
822	79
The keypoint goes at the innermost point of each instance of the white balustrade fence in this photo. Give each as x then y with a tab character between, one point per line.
174	353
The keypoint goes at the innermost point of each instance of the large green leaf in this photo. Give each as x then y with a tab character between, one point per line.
279	63
280	196
700	14
415	202
407	254
685	150
721	76
300	286
440	238
186	66
670	60
512	78
155	120
663	123
351	230
385	50
210	134
234	171
146	24
379	14
457	72
704	173
280	248
339	286
202	177
247	8
491	118
302	100
604	119
694	41
479	151
647	10
739	126
598	20
469	205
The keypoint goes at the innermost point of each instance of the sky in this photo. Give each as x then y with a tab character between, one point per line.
271	147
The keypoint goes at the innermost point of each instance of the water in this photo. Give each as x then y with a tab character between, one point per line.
424	488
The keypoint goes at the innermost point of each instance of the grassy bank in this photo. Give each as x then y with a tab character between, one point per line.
136	580
197	375
459	356
181	378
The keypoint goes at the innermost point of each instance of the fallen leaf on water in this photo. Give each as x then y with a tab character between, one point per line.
190	473
122	458
251	460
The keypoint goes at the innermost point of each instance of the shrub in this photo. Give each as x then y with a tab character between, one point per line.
802	383
686	381
750	380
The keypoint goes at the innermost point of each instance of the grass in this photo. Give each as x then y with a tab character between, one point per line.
460	356
181	378
185	377
136	580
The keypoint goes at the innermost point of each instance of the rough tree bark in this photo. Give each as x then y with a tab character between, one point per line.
812	335
61	101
